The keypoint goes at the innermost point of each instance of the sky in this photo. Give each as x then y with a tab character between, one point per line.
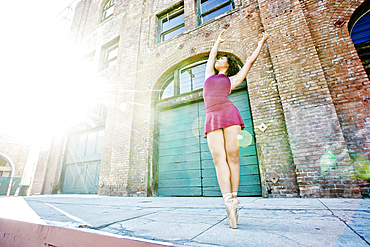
41	85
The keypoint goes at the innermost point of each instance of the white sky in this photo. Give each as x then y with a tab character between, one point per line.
38	73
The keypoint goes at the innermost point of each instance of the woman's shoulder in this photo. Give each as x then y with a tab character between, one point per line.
209	76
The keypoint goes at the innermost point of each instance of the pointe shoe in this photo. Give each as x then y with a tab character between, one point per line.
235	208
231	209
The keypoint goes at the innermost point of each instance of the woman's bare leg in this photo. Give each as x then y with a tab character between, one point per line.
232	155
216	145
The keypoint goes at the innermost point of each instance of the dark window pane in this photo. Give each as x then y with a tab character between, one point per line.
169	35
216	13
169	91
210	4
361	32
172	22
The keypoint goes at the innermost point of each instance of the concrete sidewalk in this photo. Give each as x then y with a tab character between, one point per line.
202	221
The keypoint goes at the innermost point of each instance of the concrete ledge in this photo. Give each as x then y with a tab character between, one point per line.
15	233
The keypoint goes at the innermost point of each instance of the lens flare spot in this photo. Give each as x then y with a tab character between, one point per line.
245	138
328	161
196	127
123	106
361	166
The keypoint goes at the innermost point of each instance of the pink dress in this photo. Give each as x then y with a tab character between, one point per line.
220	111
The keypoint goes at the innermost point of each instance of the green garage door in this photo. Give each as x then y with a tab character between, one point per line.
82	166
185	166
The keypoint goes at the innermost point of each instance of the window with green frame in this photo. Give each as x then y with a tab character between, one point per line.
209	9
109	54
171	23
185	80
107	10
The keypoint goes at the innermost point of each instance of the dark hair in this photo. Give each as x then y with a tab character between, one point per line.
233	65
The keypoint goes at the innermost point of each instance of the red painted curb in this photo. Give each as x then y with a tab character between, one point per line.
17	233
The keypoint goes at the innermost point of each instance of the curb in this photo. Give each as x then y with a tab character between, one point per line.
15	233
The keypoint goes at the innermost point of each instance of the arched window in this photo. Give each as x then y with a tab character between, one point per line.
359	28
169	91
107	10
185	80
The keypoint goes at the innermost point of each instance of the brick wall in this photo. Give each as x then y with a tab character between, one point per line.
309	107
347	79
157	60
343	70
308	86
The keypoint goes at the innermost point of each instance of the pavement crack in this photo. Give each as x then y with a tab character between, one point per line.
281	235
118	221
344	222
208	228
211	226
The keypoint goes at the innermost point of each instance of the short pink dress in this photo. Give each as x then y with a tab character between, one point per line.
220	111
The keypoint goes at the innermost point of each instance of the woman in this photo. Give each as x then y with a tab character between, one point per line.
223	121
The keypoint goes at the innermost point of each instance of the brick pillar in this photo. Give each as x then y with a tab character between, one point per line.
190	12
42	163
277	169
320	154
117	164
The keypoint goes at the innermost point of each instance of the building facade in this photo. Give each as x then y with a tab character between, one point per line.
14	152
305	101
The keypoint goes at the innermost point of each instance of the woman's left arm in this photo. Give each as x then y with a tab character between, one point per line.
239	77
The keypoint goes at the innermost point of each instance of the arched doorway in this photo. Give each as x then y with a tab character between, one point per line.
359	28
7	170
184	164
5	167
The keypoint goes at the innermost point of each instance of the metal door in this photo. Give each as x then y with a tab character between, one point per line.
82	167
185	166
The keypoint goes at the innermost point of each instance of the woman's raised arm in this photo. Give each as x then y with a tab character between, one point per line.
240	76
210	70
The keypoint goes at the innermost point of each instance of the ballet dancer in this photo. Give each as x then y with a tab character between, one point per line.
223	121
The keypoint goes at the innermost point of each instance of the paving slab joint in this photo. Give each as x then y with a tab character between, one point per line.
344	222
212	226
112	223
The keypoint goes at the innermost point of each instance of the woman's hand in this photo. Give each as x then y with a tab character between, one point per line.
220	39
240	76
265	36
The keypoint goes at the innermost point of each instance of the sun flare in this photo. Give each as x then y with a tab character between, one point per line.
46	86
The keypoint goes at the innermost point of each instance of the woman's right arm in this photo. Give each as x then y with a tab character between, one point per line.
210	70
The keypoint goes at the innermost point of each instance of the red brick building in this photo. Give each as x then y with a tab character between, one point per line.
305	102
